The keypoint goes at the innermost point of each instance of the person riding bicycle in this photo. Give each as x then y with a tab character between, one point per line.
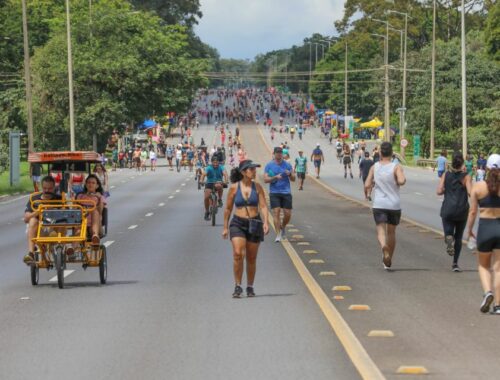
216	176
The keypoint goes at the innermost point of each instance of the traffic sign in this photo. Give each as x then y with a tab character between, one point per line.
404	143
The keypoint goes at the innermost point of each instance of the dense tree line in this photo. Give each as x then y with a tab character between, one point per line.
365	51
131	60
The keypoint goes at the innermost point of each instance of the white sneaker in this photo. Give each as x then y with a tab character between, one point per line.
278	237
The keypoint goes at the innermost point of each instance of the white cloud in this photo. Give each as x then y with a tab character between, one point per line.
245	28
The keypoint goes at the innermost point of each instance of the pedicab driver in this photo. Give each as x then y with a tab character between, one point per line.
31	216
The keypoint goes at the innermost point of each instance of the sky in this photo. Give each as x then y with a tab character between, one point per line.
244	28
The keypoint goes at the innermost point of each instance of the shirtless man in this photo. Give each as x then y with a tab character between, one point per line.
317	158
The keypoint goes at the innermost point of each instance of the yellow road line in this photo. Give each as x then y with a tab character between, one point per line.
356	352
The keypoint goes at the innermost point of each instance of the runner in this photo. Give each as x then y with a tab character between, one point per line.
246	229
278	173
300	131
178	158
455	185
338	147
385	178
144	158
485	196
292	132
364	169
317	158
301	168
441	163
170	156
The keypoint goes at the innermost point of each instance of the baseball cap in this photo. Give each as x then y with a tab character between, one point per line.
317	144
493	161
278	149
247	164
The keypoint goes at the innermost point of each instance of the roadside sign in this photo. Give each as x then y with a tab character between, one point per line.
404	143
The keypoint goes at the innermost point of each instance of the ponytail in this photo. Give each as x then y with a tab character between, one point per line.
493	181
235	176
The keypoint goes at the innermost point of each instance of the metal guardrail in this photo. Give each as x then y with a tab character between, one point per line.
425	162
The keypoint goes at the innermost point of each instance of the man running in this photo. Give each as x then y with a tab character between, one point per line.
216	176
278	173
385	178
318	158
301	168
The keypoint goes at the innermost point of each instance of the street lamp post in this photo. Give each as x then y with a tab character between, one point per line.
70	81
387	129
27	78
403	106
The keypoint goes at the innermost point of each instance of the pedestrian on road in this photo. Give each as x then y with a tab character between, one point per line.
441	163
301	168
347	159
364	169
485	196
248	225
455	185
278	173
318	158
35	174
385	178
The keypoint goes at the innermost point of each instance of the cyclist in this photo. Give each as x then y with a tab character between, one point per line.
216	176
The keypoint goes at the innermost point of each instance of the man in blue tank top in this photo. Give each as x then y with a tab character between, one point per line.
278	173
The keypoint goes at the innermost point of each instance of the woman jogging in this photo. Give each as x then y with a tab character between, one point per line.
485	196
455	184
247	227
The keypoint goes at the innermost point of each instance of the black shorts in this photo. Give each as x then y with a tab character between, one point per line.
347	160
488	235
239	228
317	163
301	175
386	216
281	201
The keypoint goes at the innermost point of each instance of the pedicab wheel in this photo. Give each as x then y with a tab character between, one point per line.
103	265
214	213
60	264
35	272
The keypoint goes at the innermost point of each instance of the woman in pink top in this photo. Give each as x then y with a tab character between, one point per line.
93	191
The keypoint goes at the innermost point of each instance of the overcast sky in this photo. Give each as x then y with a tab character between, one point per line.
244	28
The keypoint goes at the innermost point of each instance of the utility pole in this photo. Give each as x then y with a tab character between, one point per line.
316	61
403	107
464	86
310	69
387	129
433	80
27	78
345	85
70	82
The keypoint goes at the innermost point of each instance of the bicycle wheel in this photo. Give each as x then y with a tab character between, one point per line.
60	264
35	271
214	208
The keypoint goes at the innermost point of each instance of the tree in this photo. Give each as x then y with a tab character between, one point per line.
127	66
184	12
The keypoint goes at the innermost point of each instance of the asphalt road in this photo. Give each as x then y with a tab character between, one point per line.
167	311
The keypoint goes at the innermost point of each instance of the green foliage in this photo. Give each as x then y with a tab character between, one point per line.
184	12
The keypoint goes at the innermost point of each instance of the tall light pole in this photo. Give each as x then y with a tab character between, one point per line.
387	119
433	79
316	60
27	78
70	81
403	107
345	85
310	69
464	87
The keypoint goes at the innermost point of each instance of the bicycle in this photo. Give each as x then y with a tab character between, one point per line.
213	200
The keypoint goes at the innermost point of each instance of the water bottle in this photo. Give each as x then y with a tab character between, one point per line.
471	243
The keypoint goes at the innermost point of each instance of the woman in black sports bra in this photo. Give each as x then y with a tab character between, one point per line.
485	195
247	227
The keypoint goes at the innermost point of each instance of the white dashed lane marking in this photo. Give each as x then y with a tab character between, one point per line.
171	197
108	243
134	226
417	193
177	191
149	214
161	204
112	187
66	274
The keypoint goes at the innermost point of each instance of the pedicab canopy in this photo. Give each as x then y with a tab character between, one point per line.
64	157
375	123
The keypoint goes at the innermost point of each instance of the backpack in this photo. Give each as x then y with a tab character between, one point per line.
455	205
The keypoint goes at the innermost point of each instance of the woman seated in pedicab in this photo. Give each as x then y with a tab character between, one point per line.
93	191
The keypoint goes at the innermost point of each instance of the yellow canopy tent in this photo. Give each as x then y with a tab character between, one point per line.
375	123
329	112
